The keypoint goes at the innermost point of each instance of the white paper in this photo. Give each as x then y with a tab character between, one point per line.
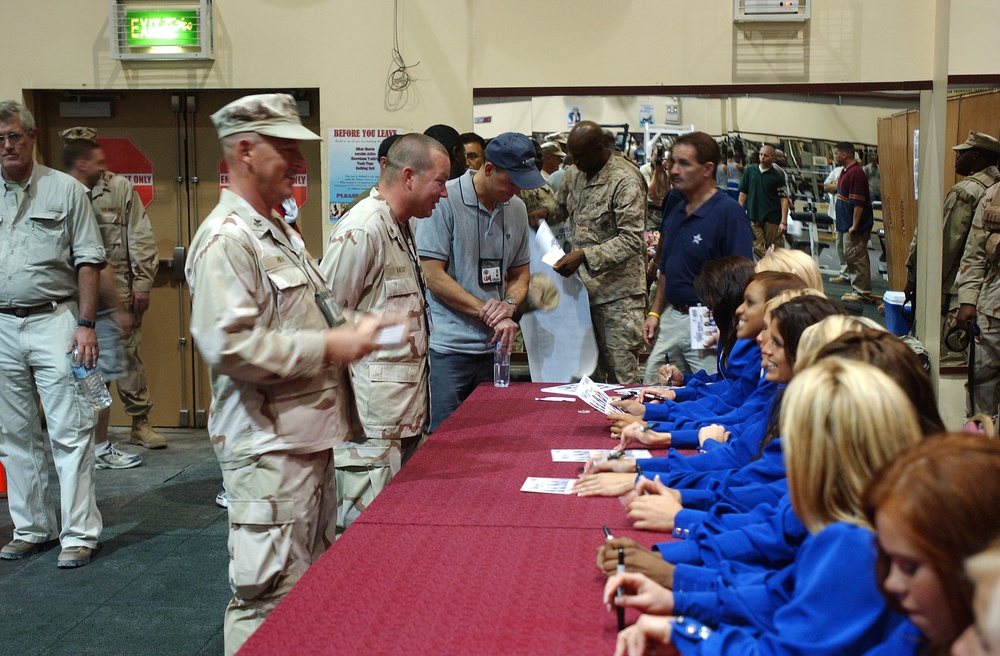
591	394
702	327
570	388
552	252
391	335
584	455
548	485
794	227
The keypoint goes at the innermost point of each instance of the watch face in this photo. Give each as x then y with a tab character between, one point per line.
510	299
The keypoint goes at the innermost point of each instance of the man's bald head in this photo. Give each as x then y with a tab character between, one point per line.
587	146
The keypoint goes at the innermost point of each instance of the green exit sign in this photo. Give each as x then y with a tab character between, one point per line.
149	29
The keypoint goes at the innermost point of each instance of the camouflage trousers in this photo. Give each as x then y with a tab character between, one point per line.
618	332
986	394
948	357
673	345
765	235
281	507
364	469
132	388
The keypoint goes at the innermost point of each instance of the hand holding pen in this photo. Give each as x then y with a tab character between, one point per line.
638	591
619	610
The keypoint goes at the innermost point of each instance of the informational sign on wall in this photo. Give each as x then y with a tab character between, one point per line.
124	158
300	188
353	163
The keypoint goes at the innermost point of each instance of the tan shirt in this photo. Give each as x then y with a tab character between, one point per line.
47	230
371	264
256	322
127	234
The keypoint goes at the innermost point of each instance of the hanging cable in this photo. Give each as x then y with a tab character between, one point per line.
398	81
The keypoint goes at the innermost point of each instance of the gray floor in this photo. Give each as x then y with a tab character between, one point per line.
158	583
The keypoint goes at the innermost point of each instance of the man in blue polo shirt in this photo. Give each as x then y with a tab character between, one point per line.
707	225
474	255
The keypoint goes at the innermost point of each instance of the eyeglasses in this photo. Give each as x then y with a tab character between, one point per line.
15	138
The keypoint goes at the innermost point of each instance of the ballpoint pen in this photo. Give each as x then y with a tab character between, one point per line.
621	588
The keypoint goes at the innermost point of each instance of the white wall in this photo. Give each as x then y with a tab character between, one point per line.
765	116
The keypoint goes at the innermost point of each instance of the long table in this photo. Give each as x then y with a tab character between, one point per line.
452	558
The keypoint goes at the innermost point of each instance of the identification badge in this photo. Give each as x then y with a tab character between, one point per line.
330	309
489	272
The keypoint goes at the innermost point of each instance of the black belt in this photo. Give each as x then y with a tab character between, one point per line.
683	309
22	312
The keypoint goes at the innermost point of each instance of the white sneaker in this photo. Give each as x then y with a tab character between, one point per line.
222	499
112	458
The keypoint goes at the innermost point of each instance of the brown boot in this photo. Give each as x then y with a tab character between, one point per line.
144	435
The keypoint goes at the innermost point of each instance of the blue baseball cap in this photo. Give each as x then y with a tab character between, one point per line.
515	154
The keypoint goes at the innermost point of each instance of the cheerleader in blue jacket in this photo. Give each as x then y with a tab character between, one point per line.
728	539
933	508
720	397
842	421
748	427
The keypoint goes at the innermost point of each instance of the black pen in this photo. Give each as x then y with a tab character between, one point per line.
621	588
607	533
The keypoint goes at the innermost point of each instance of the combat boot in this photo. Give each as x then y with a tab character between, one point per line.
144	435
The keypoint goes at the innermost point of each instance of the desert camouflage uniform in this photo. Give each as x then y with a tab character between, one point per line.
538	198
608	215
979	284
371	264
959	207
277	408
128	240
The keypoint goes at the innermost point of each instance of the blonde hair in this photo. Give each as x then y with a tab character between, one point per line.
788	260
984	570
841	420
818	335
789	294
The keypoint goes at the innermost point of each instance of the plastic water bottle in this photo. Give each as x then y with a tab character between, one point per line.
92	383
501	366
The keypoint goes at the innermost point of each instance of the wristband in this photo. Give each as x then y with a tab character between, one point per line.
653	314
83	323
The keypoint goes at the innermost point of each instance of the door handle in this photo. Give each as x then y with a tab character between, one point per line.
180	255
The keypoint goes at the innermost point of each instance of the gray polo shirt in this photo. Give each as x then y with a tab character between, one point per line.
462	232
47	230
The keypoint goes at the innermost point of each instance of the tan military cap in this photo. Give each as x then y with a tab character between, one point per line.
552	148
78	133
557	138
273	114
542	293
981	141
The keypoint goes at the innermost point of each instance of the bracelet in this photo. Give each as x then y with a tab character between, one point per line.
83	323
653	314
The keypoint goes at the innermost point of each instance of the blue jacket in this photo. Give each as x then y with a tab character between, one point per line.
906	640
809	607
748	426
715	394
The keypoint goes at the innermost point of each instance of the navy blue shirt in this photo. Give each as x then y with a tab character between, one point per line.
718	228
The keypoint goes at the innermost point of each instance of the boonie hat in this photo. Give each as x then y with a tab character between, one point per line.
979	140
271	114
515	154
78	133
552	148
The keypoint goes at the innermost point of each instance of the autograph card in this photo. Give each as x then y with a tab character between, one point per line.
548	245
548	485
584	455
593	395
391	335
702	327
570	388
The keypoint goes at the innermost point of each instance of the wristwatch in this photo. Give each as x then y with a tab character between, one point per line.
510	299
83	323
